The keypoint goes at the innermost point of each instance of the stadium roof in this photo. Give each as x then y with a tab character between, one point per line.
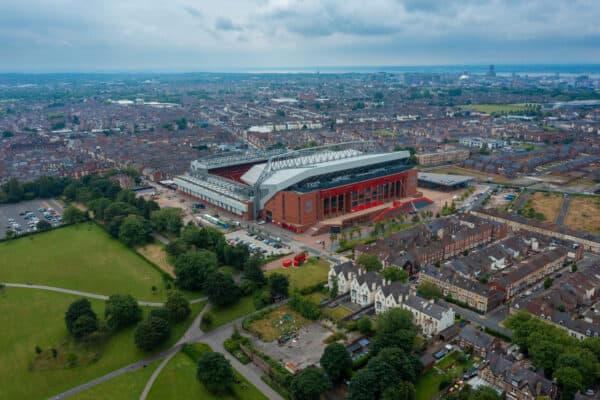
324	163
444	179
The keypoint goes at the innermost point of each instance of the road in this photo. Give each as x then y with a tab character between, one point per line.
563	210
87	294
492	320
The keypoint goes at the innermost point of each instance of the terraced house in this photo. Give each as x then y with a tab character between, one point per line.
475	294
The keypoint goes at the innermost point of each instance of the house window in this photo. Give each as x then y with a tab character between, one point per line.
364	298
378	305
353	293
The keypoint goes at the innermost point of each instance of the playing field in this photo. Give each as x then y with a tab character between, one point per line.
40	323
584	214
495	108
178	381
313	271
81	257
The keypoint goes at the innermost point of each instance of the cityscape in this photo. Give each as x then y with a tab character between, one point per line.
308	201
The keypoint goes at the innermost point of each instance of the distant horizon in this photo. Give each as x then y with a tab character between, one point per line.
475	68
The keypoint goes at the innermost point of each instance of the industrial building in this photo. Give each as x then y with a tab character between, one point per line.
444	182
297	189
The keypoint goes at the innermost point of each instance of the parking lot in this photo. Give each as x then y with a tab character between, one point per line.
21	217
304	350
259	243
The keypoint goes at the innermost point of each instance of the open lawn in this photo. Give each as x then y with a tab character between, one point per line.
584	214
178	381
313	271
224	315
40	323
279	322
80	257
547	203
337	313
155	252
495	108
128	386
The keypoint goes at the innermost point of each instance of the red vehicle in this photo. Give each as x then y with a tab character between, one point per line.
299	259
287	263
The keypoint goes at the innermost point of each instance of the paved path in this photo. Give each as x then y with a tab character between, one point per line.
523	197
87	294
563	210
160	238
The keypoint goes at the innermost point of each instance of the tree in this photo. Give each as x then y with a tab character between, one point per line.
334	290
43	226
383	374
279	284
364	325
83	326
548	283
77	309
336	361
151	332
221	289
569	380
192	268
574	267
309	384
160	312
361	385
429	290
485	393
395	274
73	215
369	261
177	306
401	391
395	329
403	364
122	311
167	220
214	372
176	247
134	230
253	269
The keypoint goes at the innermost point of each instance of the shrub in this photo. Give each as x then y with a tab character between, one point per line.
305	307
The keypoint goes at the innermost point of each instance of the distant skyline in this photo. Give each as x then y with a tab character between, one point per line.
238	35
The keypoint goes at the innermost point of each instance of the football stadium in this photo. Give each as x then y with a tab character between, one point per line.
345	182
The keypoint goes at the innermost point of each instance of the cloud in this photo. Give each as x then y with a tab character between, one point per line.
193	35
226	24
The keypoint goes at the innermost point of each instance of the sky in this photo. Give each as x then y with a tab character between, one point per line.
235	35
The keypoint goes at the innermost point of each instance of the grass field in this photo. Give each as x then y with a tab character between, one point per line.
547	203
178	381
337	313
41	323
81	257
280	321
495	108
128	386
224	315
155	252
314	271
584	214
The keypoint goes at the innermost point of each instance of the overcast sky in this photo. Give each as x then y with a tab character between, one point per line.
209	35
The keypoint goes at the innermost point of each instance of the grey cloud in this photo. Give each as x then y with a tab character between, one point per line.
194	12
226	24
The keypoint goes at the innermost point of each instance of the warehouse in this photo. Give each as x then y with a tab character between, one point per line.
297	189
444	181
